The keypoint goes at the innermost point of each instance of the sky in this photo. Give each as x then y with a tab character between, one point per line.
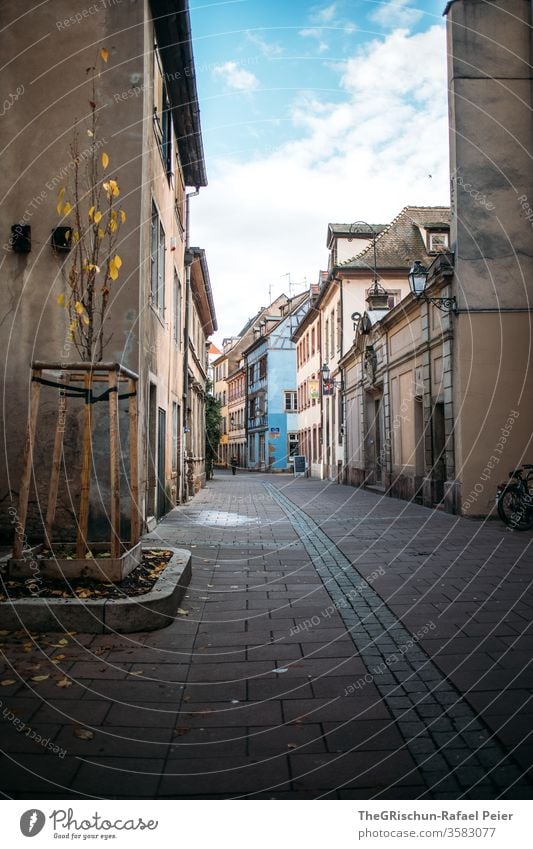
311	113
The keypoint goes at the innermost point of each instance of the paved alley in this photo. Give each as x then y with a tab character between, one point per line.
332	644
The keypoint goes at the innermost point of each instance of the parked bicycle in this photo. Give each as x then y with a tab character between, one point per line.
514	499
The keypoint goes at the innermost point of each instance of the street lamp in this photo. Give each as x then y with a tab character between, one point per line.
327	381
418	278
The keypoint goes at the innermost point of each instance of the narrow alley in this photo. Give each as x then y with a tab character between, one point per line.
332	644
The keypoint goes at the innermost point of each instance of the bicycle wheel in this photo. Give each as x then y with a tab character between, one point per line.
513	509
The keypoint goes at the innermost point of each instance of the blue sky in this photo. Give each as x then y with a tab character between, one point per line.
311	113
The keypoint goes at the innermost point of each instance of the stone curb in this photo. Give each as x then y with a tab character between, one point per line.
149	612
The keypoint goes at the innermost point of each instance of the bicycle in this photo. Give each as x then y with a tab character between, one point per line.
514	500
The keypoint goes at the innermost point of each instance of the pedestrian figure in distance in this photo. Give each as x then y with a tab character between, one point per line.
233	463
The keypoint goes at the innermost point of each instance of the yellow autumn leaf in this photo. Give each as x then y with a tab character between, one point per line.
104	54
105	159
85	319
79	308
112	189
112	226
39	678
117	261
113	271
97	217
122	216
90	133
91	212
76	236
101	233
67	209
59	200
64	682
61	299
7	682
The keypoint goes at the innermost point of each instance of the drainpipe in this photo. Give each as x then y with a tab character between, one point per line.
188	262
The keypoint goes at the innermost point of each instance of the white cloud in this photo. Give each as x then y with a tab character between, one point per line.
397	13
365	157
327	14
236	77
267	48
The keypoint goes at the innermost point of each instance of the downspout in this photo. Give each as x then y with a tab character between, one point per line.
188	263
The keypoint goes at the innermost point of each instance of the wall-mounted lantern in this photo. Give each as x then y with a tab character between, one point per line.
418	278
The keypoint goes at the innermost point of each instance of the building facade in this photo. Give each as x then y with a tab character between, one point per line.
491	236
309	387
270	362
141	51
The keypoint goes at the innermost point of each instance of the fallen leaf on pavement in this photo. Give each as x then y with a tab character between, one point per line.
39	677
181	730
7	682
83	734
183	612
64	682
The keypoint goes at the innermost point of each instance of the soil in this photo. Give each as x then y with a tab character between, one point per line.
139	581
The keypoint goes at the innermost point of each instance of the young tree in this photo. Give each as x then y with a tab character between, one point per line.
93	265
212	431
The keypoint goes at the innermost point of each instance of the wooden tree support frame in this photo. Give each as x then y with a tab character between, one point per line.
67	377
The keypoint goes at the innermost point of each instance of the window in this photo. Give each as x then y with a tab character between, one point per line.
162	118
252	408
157	262
293	444
291	402
438	242
251	374
339	328
262	368
313	341
177	309
332	333
326	341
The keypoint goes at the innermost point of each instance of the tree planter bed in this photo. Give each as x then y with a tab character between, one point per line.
98	564
145	612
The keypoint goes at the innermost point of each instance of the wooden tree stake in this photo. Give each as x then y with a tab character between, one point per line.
134	461
83	519
114	467
27	466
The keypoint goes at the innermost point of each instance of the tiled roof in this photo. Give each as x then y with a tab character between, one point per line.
356	227
401	242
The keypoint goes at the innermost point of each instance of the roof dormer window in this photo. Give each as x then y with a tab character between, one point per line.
438	241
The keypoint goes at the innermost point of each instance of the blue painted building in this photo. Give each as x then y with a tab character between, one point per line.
271	402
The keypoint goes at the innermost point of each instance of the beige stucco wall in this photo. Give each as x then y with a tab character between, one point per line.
49	58
492	195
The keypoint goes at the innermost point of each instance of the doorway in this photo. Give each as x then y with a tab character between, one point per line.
161	444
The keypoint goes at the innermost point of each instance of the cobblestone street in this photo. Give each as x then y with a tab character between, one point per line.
332	644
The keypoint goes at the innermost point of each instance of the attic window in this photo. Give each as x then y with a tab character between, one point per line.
439	242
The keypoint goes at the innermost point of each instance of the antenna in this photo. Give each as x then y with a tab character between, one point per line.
288	274
270	294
